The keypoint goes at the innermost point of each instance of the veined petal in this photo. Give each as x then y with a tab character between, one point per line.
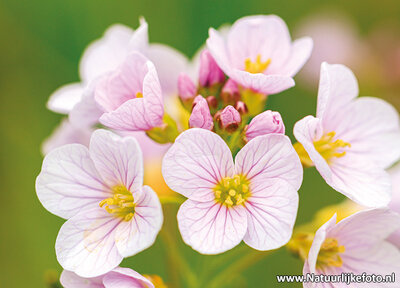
196	162
217	47
118	160
86	243
65	98
211	228
337	87
69	181
268	158
141	231
271	213
300	52
69	279
126	278
106	53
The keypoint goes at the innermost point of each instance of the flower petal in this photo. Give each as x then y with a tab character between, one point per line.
196	162
69	181
211	228
65	98
300	52
106	53
126	278
69	279
118	160
86	243
337	87
271	213
140	233
270	157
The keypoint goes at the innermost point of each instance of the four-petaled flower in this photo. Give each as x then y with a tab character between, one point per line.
254	199
352	140
99	190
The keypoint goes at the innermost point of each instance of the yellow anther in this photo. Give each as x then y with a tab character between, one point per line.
232	192
257	66
236	180
239	200
226	181
139	95
245	188
329	253
121	204
228	201
218	193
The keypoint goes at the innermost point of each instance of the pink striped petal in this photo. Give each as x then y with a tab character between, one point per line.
69	279
126	278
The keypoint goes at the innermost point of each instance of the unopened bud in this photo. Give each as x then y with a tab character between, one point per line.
186	88
212	101
209	73
241	107
268	122
229	119
230	92
201	116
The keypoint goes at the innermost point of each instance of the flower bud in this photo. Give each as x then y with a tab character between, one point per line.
212	102
268	122
186	88
201	116
229	119
209	73
241	107
230	92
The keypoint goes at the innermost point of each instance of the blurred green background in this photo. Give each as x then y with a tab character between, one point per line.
40	47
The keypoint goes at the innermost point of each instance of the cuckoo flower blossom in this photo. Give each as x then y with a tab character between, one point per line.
351	140
99	190
265	123
131	96
355	245
254	199
258	53
116	278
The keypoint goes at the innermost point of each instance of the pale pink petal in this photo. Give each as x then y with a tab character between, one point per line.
71	280
69	182
337	87
266	84
300	52
371	126
218	49
395	203
106	53
86	243
267	122
360	180
118	160
87	112
66	133
201	116
271	213
319	238
267	36
65	98
306	131
141	231
140	38
140	113
169	63
209	72
126	278
196	162
268	158
211	228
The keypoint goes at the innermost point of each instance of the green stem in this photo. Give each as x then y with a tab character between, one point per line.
171	199
224	278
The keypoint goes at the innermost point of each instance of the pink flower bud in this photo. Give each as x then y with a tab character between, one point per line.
229	119
268	122
241	107
230	92
209	73
186	87
212	102
201	116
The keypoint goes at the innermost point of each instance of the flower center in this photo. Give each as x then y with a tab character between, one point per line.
326	146
256	66
139	95
329	254
232	191
121	204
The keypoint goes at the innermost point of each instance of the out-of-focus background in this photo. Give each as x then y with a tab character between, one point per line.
40	47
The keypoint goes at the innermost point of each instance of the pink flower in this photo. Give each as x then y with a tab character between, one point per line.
355	245
265	123
229	119
186	88
394	205
99	190
131	96
259	54
209	73
254	199
117	278
352	140
201	116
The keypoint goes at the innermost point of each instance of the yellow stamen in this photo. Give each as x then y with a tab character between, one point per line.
121	204
256	66
139	95
232	191
329	253
326	146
